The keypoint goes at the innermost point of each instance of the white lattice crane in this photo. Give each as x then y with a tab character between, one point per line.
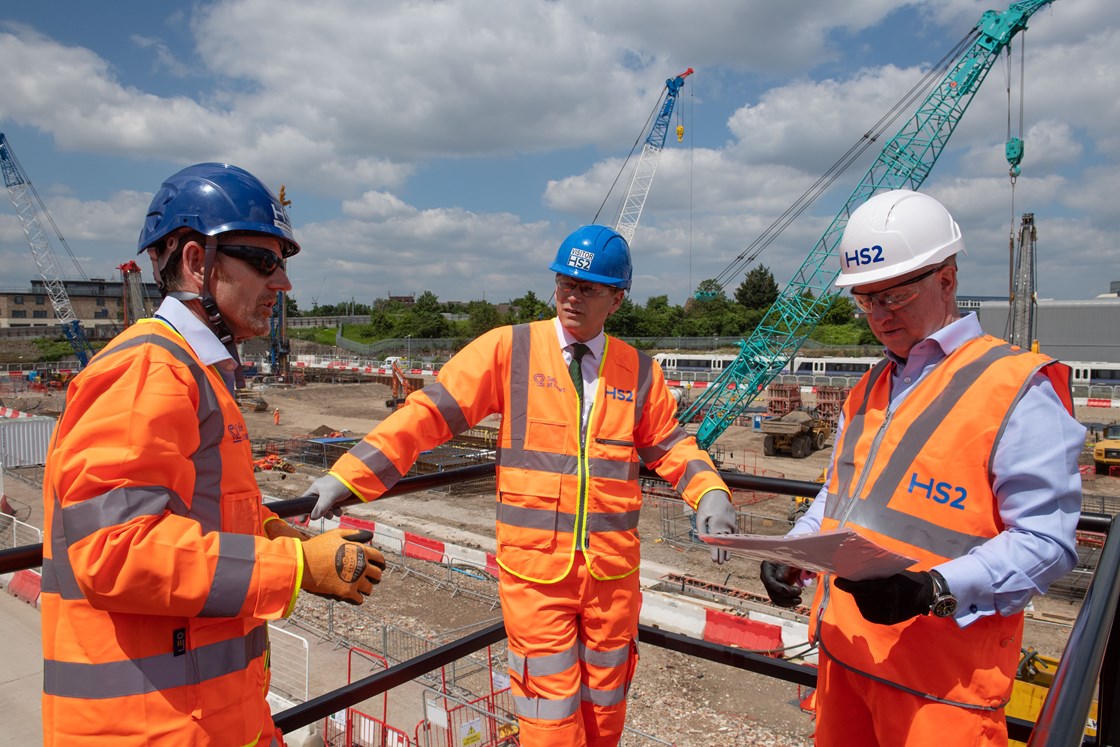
28	208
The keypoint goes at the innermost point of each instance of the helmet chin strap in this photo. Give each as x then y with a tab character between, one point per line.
214	315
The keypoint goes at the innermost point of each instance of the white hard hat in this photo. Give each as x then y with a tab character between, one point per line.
894	233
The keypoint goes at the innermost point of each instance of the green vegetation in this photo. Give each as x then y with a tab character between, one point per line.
51	350
711	314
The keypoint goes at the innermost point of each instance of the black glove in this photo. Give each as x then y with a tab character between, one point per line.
891	600
776	578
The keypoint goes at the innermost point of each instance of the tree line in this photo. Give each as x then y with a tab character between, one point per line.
710	313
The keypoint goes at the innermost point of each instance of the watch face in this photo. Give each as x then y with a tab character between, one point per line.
944	606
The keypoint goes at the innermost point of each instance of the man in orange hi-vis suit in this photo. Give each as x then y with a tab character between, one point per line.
579	410
162	567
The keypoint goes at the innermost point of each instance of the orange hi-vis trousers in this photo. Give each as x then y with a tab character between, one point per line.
572	652
854	710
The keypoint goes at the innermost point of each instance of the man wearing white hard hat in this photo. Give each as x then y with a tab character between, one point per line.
958	450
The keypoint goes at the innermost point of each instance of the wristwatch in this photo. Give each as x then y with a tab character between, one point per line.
944	603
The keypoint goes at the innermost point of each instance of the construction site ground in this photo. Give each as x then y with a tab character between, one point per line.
675	699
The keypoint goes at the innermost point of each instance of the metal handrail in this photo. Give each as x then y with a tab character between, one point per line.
1061	722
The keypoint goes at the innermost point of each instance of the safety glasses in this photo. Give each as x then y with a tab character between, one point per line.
264	261
894	297
567	286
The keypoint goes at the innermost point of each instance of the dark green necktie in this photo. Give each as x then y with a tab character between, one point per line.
578	351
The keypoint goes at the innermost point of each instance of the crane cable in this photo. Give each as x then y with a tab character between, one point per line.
645	128
1013	172
917	92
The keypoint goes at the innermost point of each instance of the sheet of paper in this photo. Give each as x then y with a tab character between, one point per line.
842	552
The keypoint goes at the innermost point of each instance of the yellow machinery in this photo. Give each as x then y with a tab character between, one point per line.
1032	681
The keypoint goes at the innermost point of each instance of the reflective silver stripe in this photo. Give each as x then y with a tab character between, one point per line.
657	452
613	522
540	461
853	429
118	506
692	469
566	464
874	513
121	679
207	459
546	710
448	408
645	384
612	658
612	469
603	697
549	520
232	576
543	666
536	518
379	464
519	385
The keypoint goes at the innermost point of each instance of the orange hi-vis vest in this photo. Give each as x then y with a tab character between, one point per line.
916	480
558	492
157	579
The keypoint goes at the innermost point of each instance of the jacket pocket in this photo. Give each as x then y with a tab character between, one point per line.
529	511
241	512
546	435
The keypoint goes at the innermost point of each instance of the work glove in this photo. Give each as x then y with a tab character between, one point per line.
337	565
891	600
781	582
716	515
329	490
275	527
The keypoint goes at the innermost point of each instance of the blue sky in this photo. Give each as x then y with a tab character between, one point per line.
450	146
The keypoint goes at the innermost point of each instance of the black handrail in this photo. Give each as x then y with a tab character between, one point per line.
1061	721
1087	655
30	556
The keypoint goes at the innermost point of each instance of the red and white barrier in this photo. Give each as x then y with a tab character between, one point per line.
7	412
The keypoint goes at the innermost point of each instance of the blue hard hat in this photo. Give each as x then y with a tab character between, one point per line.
216	198
597	254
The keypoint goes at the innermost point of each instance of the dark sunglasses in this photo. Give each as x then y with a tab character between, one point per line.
264	261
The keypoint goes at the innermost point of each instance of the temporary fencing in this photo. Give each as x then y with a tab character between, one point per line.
290	662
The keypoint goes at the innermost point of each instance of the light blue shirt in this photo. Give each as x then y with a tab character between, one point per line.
1035	479
200	337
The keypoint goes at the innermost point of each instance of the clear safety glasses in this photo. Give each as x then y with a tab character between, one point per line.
894	297
567	286
264	261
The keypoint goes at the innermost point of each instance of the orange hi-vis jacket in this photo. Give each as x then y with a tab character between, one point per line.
916	480
558	493
157	579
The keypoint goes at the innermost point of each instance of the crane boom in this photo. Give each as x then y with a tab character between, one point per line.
28	207
647	163
905	162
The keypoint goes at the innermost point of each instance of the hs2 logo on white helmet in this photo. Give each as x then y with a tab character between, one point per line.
868	255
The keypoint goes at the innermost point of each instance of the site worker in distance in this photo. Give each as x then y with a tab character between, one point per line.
162	567
958	450
580	411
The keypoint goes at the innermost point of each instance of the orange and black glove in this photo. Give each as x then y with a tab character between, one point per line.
337	565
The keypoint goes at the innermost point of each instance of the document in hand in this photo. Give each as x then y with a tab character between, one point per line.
841	552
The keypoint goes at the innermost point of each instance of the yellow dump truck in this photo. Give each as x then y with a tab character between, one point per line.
1106	452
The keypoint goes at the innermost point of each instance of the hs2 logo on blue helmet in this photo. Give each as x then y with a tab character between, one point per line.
580	259
868	255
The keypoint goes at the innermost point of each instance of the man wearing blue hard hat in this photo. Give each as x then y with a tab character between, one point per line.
580	412
163	566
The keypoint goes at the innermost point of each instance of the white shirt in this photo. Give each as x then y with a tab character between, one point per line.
199	336
590	364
